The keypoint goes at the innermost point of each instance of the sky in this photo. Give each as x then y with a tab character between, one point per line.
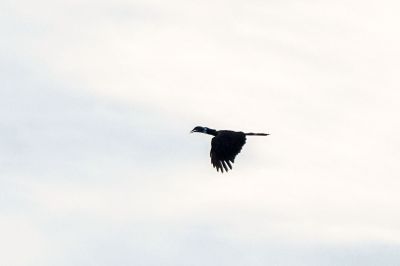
97	99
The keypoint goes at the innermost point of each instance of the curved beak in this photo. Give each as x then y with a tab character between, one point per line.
191	131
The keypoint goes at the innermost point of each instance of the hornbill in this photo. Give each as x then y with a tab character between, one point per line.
225	145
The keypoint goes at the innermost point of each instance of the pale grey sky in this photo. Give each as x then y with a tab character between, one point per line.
97	166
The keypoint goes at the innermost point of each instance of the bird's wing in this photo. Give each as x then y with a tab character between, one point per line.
224	148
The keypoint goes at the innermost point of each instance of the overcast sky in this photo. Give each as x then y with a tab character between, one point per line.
97	166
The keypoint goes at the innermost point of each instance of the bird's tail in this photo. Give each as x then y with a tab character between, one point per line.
256	134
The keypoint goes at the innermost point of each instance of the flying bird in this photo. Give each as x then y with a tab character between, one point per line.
225	145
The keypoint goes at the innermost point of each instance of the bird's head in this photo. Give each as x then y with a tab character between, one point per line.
199	129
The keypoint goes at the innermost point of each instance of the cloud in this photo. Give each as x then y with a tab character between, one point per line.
98	99
21	243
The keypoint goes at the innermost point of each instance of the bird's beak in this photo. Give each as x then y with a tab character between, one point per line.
192	131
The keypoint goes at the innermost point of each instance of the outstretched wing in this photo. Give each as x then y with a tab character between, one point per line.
224	148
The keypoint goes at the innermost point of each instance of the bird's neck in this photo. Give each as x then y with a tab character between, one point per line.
210	131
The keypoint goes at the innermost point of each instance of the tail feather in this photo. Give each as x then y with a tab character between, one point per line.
256	134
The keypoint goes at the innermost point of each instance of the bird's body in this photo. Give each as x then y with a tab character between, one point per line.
225	145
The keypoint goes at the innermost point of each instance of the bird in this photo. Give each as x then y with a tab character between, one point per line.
225	145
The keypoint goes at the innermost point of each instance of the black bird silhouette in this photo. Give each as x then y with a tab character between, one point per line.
225	145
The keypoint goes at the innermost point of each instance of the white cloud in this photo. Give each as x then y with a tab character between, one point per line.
99	97
21	242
